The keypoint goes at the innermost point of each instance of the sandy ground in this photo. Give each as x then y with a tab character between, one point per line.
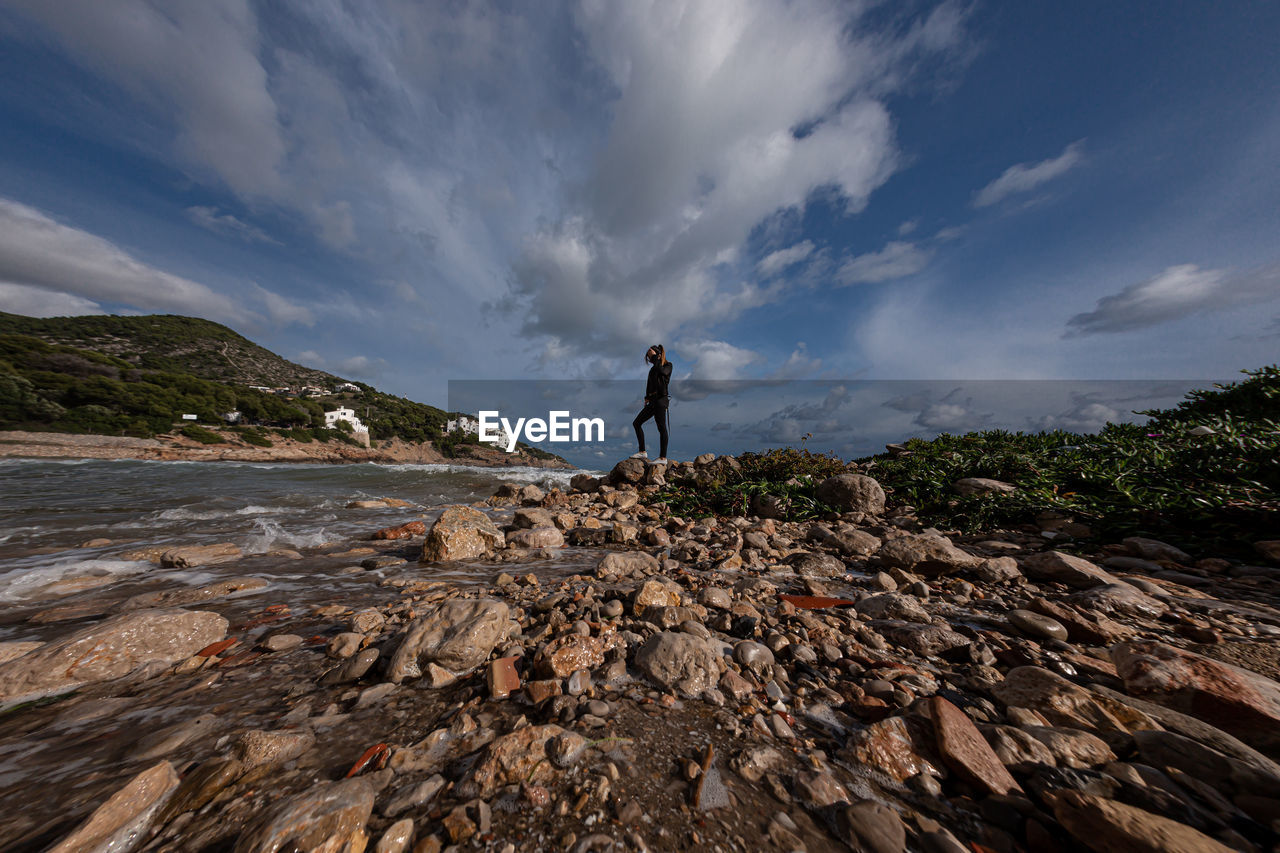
18	444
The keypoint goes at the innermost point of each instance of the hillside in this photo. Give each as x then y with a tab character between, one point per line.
137	376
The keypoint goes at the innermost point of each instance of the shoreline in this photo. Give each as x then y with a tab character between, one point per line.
18	444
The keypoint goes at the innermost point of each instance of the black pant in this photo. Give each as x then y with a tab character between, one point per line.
657	411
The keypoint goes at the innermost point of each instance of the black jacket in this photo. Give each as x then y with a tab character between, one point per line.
655	390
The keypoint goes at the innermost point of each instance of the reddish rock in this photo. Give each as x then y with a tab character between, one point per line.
537	691
461	533
120	822
1106	825
403	531
890	747
516	758
1065	568
564	656
1238	701
965	751
502	677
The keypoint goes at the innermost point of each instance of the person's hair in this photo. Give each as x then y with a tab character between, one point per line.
662	355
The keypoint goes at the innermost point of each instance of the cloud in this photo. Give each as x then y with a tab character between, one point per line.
907	227
284	312
778	261
38	252
798	364
1027	176
1179	291
218	222
715	360
950	413
896	260
35	302
353	367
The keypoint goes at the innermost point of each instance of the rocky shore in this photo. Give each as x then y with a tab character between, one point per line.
19	444
738	683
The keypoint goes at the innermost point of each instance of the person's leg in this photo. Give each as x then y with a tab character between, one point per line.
660	418
645	414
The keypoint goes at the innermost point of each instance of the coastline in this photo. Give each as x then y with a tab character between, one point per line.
15	444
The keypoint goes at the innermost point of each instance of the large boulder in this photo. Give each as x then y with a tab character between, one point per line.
1065	568
515	758
680	662
925	553
584	482
1063	703
120	824
110	649
326	816
982	486
852	493
626	471
1238	701
461	533
457	635
1102	824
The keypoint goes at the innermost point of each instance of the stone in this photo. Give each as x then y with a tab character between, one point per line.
516	758
679	662
1062	703
923	640
529	517
461	533
1016	748
925	553
1036	625
408	530
1268	549
1154	549
584	482
566	655
258	748
817	565
654	593
282	642
328	815
457	634
715	597
351	669
1119	599
566	748
502	678
14	649
1222	772
997	570
367	621
184	597
752	655
871	827
413	795
200	555
1236	700
536	537
626	471
892	605
110	649
964	750
982	486
160	743
397	837
1094	630
755	761
200	786
120	824
891	747
1072	747
852	493
627	564
818	789
1065	568
1106	825
344	645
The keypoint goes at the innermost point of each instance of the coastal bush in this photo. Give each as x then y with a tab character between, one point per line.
790	475
202	435
257	439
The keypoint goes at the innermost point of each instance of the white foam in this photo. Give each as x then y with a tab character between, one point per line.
271	536
185	514
27	583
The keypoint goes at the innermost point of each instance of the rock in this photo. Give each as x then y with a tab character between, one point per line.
752	655
626	471
818	789
814	565
566	748
529	517
654	593
352	669
258	748
852	493
183	597
982	486
535	537
584	482
397	837
164	741
516	758
1017	749
1236	700
1065	568
1268	549
120	824
715	597
344	645
1095	630
848	541
502	678
1153	549
566	655
200	786
111	649
964	750
925	553
893	605
627	564
413	795
328	816
1036	625
871	827
1065	704
458	635
891	747
199	555
1106	825
461	533
997	570
408	530
923	640
679	662
1119	599
1072	747
14	649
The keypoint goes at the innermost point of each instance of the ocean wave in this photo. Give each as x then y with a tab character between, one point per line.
271	536
185	514
34	583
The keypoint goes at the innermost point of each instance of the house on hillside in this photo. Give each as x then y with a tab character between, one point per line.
359	431
346	386
470	425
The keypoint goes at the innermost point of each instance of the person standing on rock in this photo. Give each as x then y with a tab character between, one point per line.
656	400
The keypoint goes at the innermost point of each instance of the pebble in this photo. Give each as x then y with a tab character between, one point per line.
1037	625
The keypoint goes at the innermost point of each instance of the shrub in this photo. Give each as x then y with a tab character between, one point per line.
202	435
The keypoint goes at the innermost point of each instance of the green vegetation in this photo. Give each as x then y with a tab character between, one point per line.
254	437
202	435
1219	490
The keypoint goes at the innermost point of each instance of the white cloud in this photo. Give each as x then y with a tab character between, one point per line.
38	252
283	311
778	261
717	359
896	260
218	222
1179	291
798	364
1024	177
36	302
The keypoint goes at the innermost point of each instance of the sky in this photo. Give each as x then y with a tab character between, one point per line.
412	193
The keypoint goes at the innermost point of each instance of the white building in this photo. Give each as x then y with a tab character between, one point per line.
349	415
470	425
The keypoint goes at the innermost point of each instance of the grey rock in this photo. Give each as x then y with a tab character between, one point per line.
982	486
351	669
679	662
925	553
852	493
892	605
923	640
1037	625
871	827
1065	568
327	810
458	635
1119	599
808	564
120	824
257	748
1154	549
